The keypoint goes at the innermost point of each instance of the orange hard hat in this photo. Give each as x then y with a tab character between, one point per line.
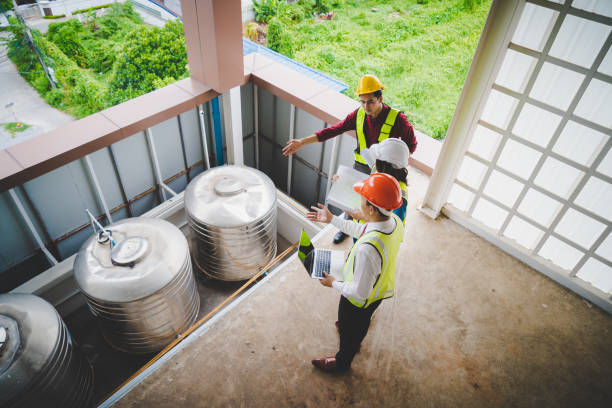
380	189
368	84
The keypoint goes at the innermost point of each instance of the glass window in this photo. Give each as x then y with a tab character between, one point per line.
515	70
605	166
580	143
484	142
536	125
605	248
579	228
503	188
596	103
499	109
558	177
560	253
539	207
534	26
523	233
556	86
460	197
489	214
603	7
579	40
518	159
597	274
471	172
596	196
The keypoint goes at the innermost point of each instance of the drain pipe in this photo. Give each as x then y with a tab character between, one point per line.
216	116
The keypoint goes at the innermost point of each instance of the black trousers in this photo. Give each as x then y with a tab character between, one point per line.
353	325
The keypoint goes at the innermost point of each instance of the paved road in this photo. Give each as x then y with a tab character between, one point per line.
28	106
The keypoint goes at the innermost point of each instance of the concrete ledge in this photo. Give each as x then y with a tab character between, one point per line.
34	157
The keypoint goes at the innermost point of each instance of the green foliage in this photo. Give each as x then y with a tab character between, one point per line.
55	98
87	10
265	10
67	37
19	51
85	59
15	127
6	5
279	39
251	31
149	54
54	17
420	49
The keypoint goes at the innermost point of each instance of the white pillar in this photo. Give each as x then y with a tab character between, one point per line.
232	125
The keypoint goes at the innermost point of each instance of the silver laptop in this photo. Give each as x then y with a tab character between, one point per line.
317	261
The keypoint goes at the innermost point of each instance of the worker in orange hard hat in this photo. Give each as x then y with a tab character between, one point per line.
372	123
369	271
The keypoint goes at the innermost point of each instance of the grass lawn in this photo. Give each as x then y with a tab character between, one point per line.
420	52
15	127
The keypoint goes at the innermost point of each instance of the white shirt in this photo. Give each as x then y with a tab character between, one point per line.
368	262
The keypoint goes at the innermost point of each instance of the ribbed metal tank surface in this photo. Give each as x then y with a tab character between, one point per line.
39	365
232	212
142	289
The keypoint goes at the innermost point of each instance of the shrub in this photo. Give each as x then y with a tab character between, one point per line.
54	17
67	36
55	97
251	31
6	5
265	10
87	10
279	39
148	54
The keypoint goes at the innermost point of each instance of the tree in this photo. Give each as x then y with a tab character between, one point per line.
150	56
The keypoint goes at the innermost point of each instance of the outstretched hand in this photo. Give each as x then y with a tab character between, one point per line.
320	214
292	146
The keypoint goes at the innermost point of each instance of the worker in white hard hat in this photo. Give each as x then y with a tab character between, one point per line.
390	157
372	123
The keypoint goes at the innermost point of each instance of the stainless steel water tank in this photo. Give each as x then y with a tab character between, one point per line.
232	212
142	289
39	365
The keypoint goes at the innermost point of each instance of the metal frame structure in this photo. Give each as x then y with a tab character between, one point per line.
459	143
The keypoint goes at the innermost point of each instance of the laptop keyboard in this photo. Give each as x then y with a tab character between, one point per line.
323	263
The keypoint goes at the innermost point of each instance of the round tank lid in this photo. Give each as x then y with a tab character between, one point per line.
149	253
230	196
229	186
129	251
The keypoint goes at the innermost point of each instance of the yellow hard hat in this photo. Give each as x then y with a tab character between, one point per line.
368	84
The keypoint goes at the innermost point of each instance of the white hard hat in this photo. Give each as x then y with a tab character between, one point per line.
392	150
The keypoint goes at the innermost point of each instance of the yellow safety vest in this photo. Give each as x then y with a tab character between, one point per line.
387	246
385	129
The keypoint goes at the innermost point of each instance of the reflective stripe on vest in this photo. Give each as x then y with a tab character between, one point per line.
387	246
385	130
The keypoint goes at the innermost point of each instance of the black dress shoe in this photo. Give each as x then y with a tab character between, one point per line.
339	237
325	363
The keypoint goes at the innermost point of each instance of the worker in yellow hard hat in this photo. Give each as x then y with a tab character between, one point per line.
369	271
372	123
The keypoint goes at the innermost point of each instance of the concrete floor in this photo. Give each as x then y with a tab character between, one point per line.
469	326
